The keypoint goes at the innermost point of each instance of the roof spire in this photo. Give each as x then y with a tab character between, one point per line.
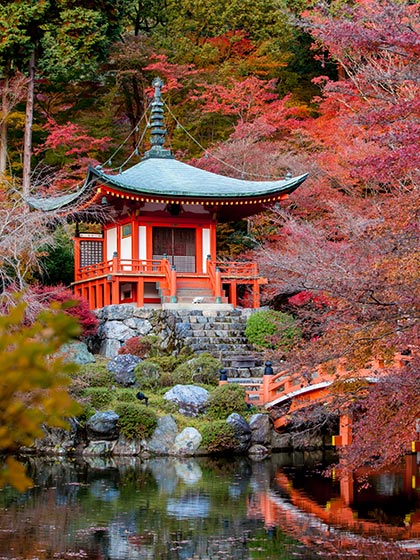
157	125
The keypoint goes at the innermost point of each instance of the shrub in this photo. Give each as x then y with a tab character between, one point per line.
272	329
99	397
203	369
136	420
96	375
125	395
147	374
141	346
75	306
218	436
168	363
226	399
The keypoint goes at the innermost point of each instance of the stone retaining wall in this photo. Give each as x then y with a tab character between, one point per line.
220	332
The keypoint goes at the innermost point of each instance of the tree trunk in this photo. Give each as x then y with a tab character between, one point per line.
27	142
3	121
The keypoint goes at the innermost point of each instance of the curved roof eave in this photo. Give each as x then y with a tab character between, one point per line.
49	204
169	177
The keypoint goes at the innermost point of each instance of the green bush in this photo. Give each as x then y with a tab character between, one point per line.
168	363
136	420
125	395
99	397
226	399
96	375
272	329
218	436
148	374
203	369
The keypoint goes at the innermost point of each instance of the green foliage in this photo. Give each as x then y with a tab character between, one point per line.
99	397
218	436
95	375
136	420
57	262
203	369
226	399
169	363
148	374
272	329
32	391
125	395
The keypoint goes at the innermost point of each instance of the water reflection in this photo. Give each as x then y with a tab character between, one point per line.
168	509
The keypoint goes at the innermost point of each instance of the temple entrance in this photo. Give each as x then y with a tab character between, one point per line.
178	244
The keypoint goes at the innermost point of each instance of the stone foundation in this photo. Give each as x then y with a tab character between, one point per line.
221	332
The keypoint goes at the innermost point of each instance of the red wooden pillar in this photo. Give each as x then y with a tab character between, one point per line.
234	293
107	290
140	292
115	290
255	294
346	431
76	241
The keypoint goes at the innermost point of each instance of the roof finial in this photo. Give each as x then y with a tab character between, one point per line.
157	125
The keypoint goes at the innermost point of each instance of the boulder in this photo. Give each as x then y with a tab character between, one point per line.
115	329
77	352
127	447
118	312
140	326
100	448
122	366
163	438
187	442
191	400
258	451
103	426
242	431
260	429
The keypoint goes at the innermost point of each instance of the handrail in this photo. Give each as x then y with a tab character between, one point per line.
116	266
237	269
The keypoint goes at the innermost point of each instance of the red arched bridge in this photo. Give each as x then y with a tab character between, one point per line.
290	392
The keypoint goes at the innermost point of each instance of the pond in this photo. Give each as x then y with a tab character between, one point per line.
165	508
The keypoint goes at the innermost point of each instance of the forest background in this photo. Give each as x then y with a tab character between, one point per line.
252	89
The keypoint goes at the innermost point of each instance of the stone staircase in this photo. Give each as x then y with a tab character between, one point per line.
187	291
222	334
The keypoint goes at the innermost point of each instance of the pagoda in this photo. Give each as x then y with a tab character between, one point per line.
158	244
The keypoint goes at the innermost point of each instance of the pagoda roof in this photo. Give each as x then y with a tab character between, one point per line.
168	177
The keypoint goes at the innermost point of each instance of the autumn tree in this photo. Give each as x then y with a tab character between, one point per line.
374	107
57	41
32	388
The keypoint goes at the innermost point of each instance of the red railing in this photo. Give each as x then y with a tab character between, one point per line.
245	270
123	266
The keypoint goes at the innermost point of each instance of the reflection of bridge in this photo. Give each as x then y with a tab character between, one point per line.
336	523
287	392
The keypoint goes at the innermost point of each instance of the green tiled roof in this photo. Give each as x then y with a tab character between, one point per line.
169	177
